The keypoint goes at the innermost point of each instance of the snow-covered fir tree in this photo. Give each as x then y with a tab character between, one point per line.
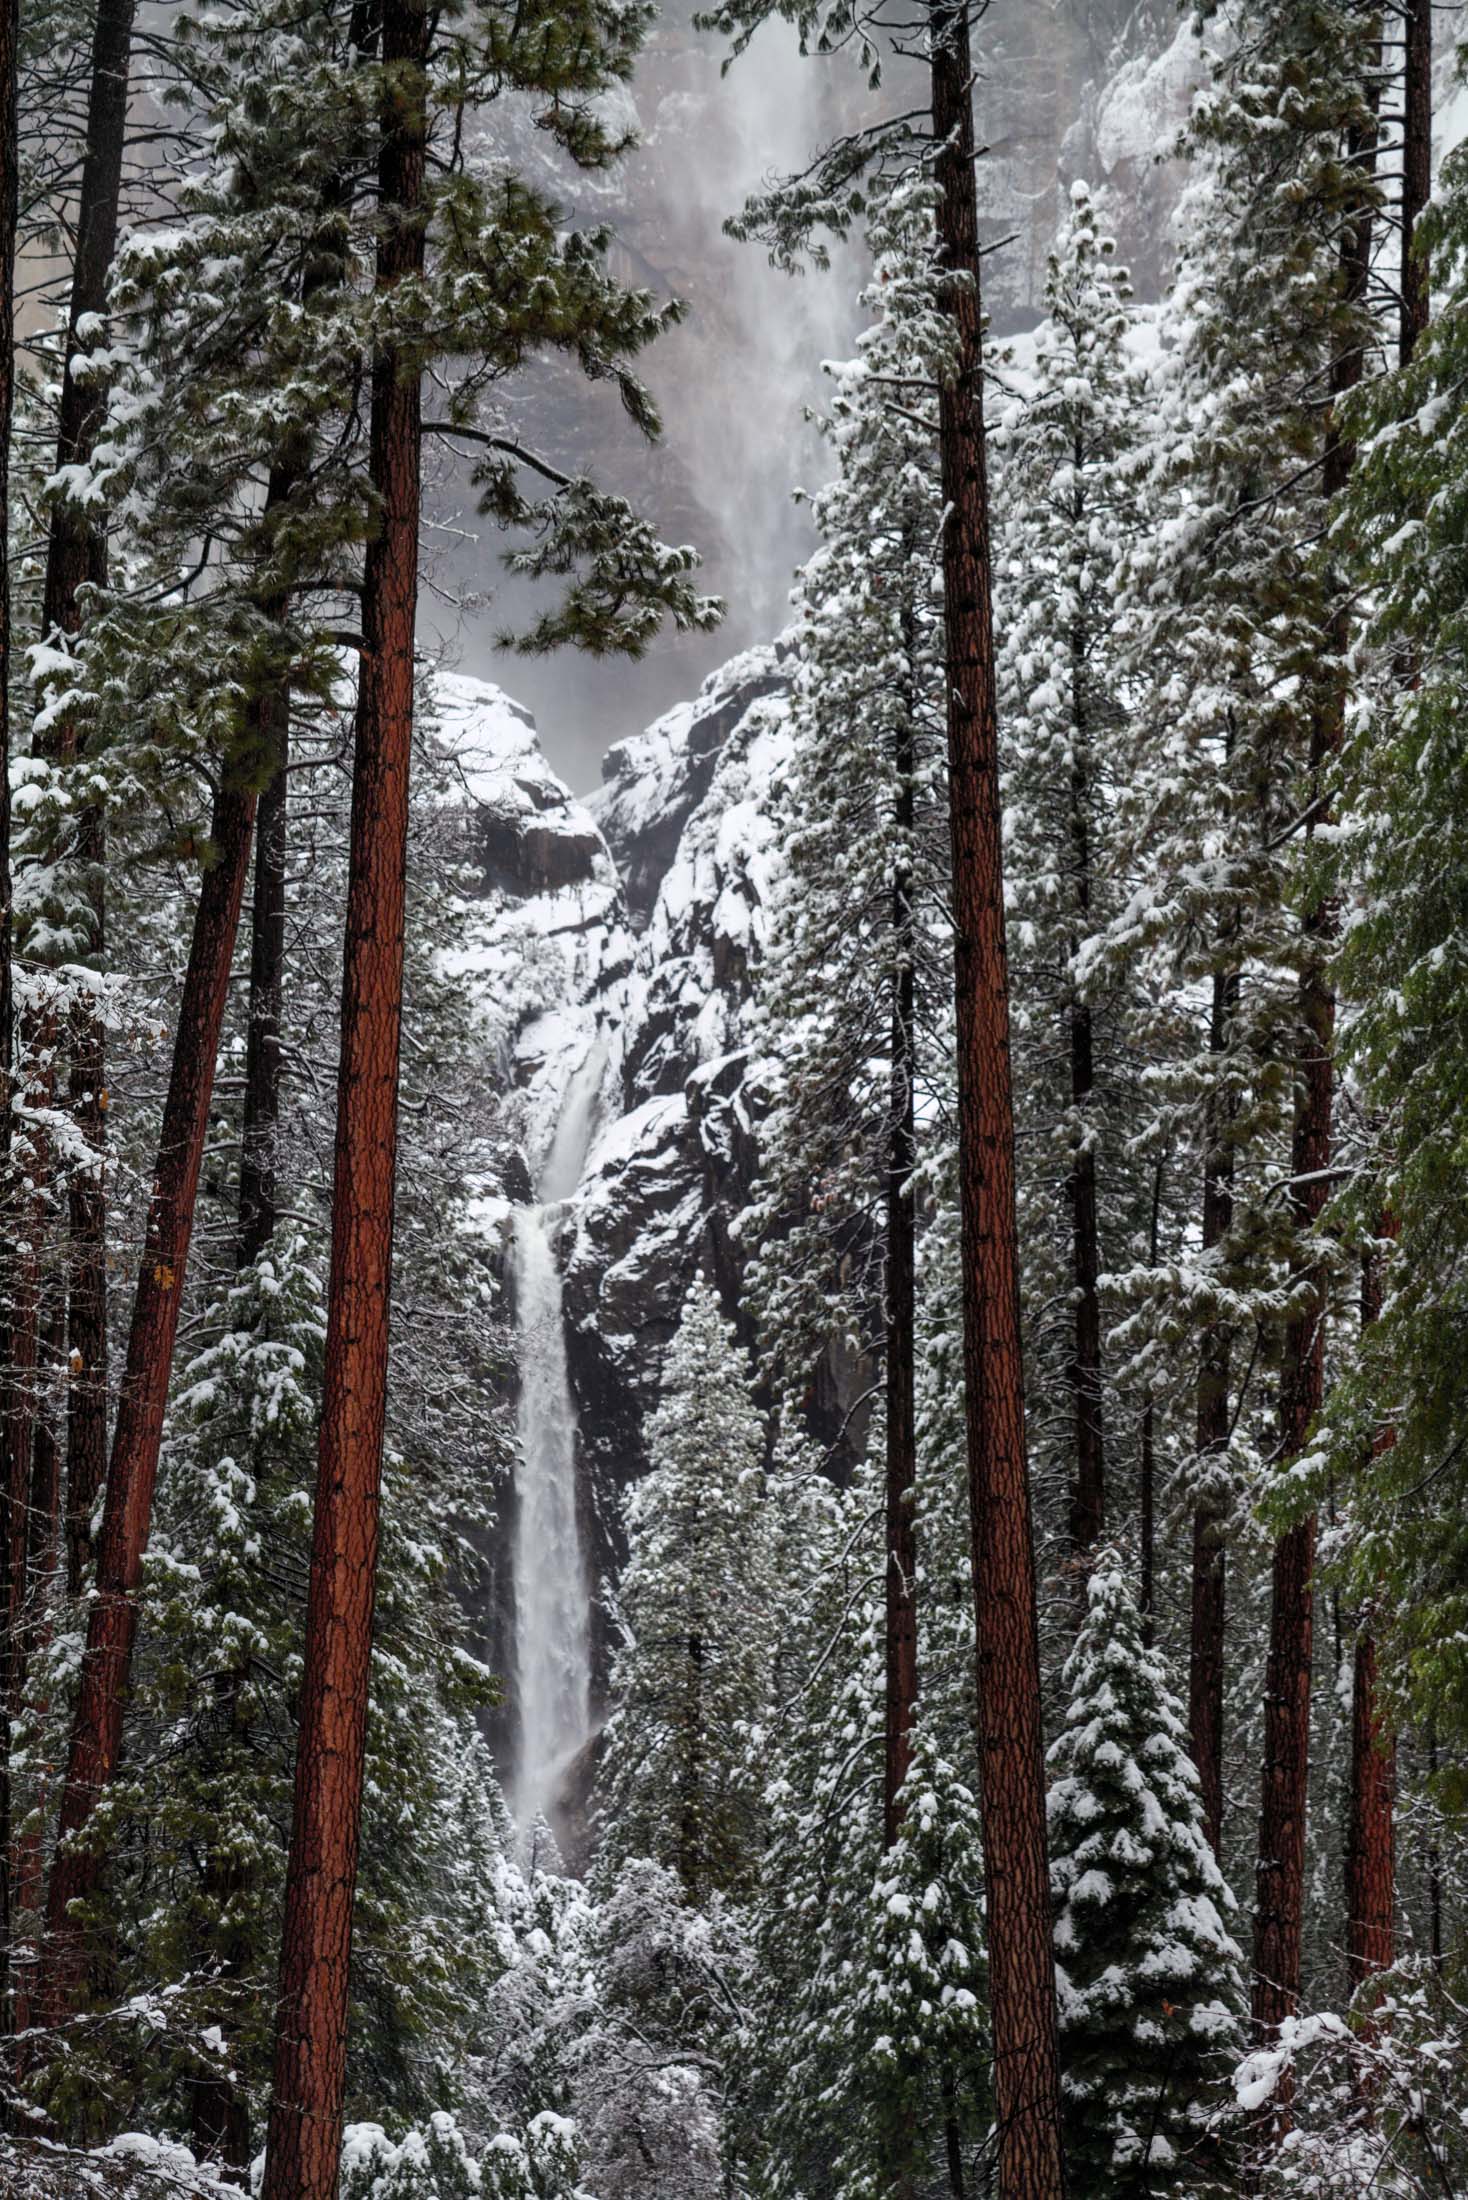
863	2055
1148	1973
1066	513
694	1667
852	976
1401	873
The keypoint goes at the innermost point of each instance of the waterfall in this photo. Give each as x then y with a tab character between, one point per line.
552	1590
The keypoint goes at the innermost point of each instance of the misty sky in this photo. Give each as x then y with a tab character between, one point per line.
733	383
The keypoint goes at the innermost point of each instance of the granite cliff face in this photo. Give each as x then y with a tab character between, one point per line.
609	946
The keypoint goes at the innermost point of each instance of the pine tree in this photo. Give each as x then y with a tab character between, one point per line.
854	969
828	197
1066	509
864	2063
1150	1979
1235	640
694	1669
1401	870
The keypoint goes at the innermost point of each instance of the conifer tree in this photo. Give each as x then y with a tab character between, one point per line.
865	2066
76	557
1066	511
854	973
694	1670
1234	639
828	197
1150	1978
1320	231
1400	968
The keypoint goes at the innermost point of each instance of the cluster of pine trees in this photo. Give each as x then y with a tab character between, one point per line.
1064	1797
1144	888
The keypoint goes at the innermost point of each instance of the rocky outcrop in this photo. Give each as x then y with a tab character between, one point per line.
610	946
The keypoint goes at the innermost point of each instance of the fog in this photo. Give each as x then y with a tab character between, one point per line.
734	382
1064	88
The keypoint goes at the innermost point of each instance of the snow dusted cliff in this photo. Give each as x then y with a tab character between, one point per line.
609	946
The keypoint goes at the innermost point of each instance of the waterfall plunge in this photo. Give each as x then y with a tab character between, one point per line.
552	1594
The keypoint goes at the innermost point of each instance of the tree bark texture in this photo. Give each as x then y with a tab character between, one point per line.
310	2056
1210	1550
133	1466
1011	1744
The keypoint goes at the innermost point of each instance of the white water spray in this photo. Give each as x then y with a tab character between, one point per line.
552	1591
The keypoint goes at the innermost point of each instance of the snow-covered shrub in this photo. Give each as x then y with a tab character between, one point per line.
438	2162
1377	2105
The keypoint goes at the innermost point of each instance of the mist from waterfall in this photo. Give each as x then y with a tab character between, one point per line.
552	1587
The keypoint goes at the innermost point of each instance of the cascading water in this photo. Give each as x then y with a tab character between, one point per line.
552	1593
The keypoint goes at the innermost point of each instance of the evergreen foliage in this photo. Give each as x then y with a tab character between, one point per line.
1402	868
1148	1974
859	825
1069	452
694	1667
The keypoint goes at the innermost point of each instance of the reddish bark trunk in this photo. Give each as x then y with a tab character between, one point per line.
1210	1550
310	2054
1011	1745
132	1470
1371	1838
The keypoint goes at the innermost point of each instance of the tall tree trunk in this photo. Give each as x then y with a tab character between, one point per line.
1280	1880
1011	1742
1371	1831
133	1467
1210	1517
901	1536
219	2108
75	556
304	2140
1371	1837
9	1216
